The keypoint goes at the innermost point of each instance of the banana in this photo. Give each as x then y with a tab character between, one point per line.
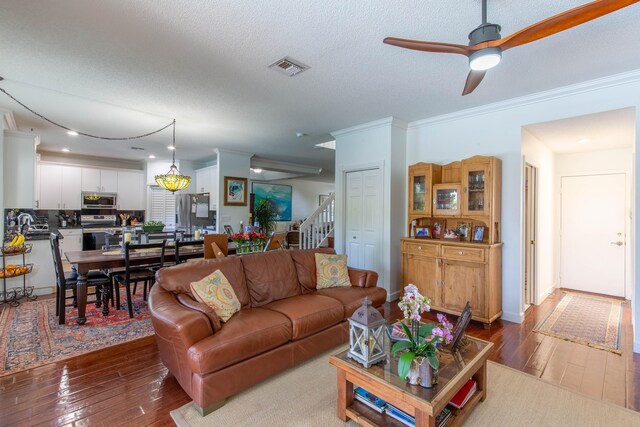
13	242
20	240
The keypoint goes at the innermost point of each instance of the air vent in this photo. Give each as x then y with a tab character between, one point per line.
137	148
289	66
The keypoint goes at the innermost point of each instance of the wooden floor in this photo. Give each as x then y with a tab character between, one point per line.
128	385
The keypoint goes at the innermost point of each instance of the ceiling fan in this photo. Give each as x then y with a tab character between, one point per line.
486	44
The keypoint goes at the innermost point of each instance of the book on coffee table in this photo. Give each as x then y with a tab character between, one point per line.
371	400
464	394
400	415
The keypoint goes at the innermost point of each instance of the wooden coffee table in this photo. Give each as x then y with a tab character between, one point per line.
423	403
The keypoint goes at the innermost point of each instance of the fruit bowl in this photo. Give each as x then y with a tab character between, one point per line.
16	270
16	250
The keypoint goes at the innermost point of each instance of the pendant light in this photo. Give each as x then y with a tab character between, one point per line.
173	180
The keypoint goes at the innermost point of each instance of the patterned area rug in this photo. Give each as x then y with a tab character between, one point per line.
30	335
585	319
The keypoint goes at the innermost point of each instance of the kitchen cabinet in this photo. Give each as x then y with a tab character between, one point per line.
207	182
19	173
446	200
454	273
130	191
59	186
99	180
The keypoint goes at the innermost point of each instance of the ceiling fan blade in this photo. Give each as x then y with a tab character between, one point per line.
562	21
430	46
473	80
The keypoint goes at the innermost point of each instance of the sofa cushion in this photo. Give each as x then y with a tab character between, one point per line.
331	271
270	276
305	262
248	333
351	298
309	313
216	292
178	278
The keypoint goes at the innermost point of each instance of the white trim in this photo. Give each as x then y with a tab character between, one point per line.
393	121
565	91
9	120
513	317
239	153
393	296
544	295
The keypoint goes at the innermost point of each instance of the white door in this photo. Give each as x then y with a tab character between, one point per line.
364	204
71	187
592	255
50	186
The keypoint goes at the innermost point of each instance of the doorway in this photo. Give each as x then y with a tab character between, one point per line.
363	225
530	230
592	234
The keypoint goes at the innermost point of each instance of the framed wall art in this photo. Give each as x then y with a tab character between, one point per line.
235	191
279	194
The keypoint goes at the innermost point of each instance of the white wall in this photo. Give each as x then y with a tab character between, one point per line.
381	144
497	130
2	186
587	163
234	164
304	198
536	153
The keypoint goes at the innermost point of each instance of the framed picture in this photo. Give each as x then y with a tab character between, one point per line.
451	233
437	230
228	230
279	194
461	325
322	198
235	191
422	232
464	230
478	233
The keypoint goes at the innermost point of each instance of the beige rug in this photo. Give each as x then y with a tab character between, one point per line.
305	396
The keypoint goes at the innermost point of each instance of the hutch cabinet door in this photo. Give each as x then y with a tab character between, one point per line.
446	200
420	191
462	282
476	185
422	272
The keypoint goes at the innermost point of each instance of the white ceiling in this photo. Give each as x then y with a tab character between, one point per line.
123	67
591	132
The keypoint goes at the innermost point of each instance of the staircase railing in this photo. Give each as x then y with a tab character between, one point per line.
315	230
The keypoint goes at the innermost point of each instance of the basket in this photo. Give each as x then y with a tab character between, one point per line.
152	228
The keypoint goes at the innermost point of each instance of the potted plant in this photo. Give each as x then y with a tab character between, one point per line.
153	226
419	360
264	214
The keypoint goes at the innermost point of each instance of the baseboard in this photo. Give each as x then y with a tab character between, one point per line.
393	296
513	317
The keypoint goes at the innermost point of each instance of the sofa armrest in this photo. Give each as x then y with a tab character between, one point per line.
363	278
189	302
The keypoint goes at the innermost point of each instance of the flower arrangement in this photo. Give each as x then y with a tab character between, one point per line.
423	341
249	242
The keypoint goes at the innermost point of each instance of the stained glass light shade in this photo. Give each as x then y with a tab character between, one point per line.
173	180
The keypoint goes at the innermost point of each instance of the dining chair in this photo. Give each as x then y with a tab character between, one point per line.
276	241
184	244
293	239
139	272
69	281
221	242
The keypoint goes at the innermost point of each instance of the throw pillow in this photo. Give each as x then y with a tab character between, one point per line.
216	292
331	271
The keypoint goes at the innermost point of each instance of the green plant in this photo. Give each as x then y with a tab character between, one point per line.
154	223
417	346
264	213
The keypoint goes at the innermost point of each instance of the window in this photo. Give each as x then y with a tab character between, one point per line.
163	206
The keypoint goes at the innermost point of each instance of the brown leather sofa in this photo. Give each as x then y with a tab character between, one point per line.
283	320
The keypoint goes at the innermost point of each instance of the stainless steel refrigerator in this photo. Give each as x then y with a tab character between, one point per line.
192	211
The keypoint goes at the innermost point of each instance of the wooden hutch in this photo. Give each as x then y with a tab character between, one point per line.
453	253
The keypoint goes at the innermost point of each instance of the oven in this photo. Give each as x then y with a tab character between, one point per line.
95	228
99	201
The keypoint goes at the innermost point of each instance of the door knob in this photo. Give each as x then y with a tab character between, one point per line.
618	243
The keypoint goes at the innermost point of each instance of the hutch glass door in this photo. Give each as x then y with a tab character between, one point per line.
446	200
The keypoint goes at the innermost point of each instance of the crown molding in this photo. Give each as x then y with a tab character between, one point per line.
387	121
286	167
9	120
562	92
236	152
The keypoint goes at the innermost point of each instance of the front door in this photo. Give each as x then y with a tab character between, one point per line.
364	206
592	256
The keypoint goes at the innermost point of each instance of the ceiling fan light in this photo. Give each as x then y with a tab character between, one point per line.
485	58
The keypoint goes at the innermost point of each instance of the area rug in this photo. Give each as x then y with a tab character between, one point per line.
30	335
585	319
305	396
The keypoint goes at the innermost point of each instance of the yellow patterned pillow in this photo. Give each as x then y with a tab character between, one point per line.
331	271
216	292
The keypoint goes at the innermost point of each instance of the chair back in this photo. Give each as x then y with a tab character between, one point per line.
221	240
182	243
293	238
130	248
54	239
111	241
276	241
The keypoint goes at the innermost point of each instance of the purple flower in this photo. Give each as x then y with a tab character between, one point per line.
438	332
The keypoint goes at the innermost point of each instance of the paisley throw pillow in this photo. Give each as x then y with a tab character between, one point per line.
216	292
331	271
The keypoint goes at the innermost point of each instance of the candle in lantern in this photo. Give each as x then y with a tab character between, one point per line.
127	237
197	234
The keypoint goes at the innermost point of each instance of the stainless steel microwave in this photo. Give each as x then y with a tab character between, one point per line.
98	200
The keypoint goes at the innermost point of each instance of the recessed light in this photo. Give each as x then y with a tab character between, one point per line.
257	170
72	133
171	147
584	141
151	156
66	150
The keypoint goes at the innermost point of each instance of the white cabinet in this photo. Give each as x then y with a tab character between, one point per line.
19	160
59	187
99	180
71	241
130	191
207	182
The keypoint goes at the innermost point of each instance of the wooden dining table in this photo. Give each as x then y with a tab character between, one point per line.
85	261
